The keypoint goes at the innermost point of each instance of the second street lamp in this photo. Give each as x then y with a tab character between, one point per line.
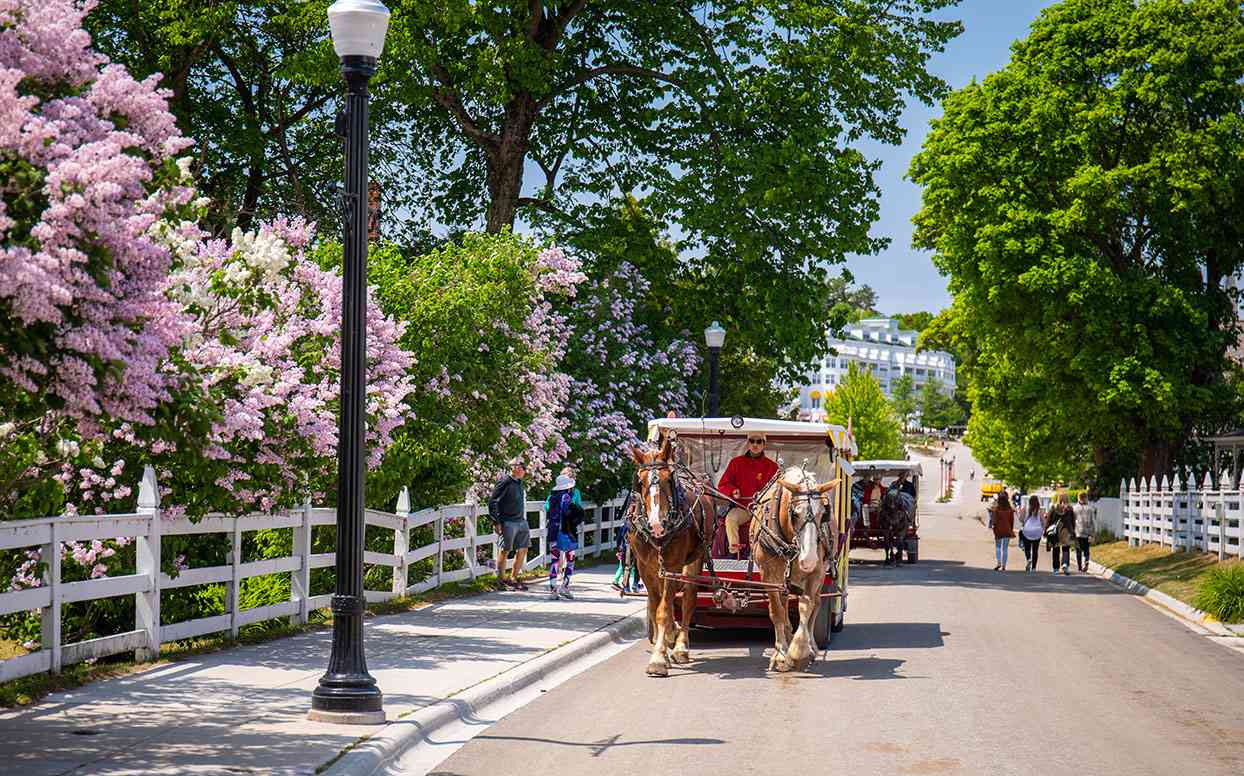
714	337
347	693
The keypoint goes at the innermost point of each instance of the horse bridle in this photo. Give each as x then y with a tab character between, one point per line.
678	511
772	540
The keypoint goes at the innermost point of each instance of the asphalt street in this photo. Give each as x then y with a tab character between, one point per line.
945	667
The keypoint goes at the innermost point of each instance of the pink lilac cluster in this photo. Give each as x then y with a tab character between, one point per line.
268	339
91	143
545	333
90	555
637	377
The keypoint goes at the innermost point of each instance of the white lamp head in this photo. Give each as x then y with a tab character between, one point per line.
358	27
715	336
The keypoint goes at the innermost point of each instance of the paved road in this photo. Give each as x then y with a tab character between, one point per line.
945	667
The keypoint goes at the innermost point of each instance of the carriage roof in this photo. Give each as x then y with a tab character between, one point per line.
775	430
884	468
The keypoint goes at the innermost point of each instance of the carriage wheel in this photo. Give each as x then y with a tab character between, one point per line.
838	617
822	632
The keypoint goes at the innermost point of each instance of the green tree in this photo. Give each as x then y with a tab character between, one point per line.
858	398
938	409
903	397
1022	456
1084	202
738	122
914	321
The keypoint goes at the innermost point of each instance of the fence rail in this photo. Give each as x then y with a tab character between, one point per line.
147	525
1184	515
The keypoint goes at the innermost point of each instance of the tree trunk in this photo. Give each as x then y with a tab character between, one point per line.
505	163
250	198
1156	459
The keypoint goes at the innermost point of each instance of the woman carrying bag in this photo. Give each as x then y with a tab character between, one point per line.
1060	533
1032	523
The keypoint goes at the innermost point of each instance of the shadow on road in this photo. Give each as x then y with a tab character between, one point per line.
890	635
955	573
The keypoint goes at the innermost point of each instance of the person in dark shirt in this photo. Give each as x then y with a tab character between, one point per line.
507	508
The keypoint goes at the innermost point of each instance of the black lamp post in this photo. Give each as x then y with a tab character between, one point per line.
347	693
714	337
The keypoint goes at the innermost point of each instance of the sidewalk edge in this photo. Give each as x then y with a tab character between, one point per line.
1187	612
399	735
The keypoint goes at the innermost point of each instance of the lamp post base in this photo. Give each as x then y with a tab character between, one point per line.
347	717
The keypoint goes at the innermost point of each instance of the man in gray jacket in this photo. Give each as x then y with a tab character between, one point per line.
507	508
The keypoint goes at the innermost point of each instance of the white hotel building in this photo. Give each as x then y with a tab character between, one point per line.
881	347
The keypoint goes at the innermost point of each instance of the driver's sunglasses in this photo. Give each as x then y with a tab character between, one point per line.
755	441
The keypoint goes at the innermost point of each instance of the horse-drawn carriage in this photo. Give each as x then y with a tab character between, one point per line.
874	479
814	470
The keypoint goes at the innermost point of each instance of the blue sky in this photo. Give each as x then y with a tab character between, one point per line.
905	279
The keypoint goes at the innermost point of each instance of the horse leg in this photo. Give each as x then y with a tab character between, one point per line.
682	646
658	664
801	651
781	636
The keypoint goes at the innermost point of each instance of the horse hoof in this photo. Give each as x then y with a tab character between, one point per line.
658	669
681	656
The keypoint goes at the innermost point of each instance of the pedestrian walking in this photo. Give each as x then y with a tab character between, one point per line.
1002	521
1060	531
564	512
507	506
1032	524
1086	526
623	581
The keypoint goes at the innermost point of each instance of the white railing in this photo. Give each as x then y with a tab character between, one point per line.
146	526
1184	515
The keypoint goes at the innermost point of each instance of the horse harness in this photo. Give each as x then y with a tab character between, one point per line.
770	538
681	506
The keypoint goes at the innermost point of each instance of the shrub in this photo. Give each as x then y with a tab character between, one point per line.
1222	593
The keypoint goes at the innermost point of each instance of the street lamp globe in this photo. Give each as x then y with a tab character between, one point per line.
715	335
358	27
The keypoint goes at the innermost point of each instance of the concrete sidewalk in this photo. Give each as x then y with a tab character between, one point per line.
243	710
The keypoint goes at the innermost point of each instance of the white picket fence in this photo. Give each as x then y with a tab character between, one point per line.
147	525
1184	515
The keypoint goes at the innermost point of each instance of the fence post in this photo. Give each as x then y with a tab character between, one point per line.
439	530
599	511
233	599
50	638
1220	513
468	530
147	562
300	580
401	543
542	525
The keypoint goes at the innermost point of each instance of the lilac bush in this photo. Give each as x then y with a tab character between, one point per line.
87	167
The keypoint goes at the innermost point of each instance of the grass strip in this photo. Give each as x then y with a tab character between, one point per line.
1178	574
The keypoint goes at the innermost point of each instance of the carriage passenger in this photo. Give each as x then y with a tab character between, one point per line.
744	476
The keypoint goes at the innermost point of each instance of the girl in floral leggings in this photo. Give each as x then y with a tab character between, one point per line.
564	514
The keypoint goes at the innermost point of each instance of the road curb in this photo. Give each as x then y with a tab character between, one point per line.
1189	613
374	753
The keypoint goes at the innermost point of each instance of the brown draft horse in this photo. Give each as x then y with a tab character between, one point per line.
793	532
669	519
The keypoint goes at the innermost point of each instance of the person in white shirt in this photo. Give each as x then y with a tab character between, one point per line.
1032	525
1086	517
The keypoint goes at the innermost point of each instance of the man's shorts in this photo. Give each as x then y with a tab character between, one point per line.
515	535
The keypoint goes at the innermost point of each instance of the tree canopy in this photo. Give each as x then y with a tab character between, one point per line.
1084	202
859	398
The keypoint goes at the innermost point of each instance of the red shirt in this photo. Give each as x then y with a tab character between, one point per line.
748	475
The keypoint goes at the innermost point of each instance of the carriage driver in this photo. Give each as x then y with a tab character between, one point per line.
745	474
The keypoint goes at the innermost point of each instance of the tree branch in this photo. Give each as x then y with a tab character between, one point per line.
551	209
450	101
596	72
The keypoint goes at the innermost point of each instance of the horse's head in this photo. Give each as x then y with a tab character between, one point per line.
655	479
894	511
801	509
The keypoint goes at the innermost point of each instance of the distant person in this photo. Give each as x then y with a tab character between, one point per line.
1086	526
744	475
507	506
1032	524
564	516
1002	521
1016	500
1060	530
